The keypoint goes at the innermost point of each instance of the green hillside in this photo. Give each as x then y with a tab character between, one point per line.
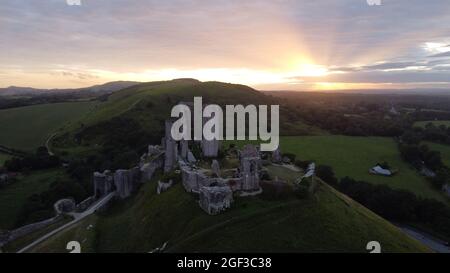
136	115
132	118
327	222
26	128
354	156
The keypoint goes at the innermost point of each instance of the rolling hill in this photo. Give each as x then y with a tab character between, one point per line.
132	118
142	109
26	128
327	222
99	89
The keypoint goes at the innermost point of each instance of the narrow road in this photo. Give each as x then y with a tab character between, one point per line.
426	239
47	144
77	217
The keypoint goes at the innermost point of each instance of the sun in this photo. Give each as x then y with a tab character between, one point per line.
311	70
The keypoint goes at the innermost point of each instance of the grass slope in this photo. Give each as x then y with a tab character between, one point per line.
13	196
328	222
26	128
354	156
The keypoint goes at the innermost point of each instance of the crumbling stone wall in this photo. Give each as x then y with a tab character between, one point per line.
216	199
64	206
149	169
103	183
9	236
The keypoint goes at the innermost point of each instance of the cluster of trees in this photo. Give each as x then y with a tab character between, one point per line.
424	115
39	207
347	119
434	133
420	156
122	147
395	205
399	205
37	161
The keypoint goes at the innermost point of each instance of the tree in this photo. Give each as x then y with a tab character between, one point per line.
326	173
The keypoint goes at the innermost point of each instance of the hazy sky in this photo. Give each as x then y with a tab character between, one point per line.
298	44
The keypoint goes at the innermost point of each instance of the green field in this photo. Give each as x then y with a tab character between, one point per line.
443	149
26	128
435	122
327	222
13	196
354	156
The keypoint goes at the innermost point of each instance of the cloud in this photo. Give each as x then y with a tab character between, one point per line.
383	77
134	36
443	54
78	75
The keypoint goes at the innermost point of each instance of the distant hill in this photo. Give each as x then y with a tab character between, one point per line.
134	117
410	91
102	88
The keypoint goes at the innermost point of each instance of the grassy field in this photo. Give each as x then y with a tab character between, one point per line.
435	122
443	149
318	224
354	156
26	128
13	196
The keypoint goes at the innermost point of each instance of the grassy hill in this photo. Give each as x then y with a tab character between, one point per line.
354	156
26	128
327	222
142	109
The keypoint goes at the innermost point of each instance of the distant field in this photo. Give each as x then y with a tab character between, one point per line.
26	128
435	122
443	149
354	156
12	197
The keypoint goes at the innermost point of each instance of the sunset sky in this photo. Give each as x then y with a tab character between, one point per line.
270	45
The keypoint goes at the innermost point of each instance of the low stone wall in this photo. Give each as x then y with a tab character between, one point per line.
149	169
446	189
85	204
9	236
